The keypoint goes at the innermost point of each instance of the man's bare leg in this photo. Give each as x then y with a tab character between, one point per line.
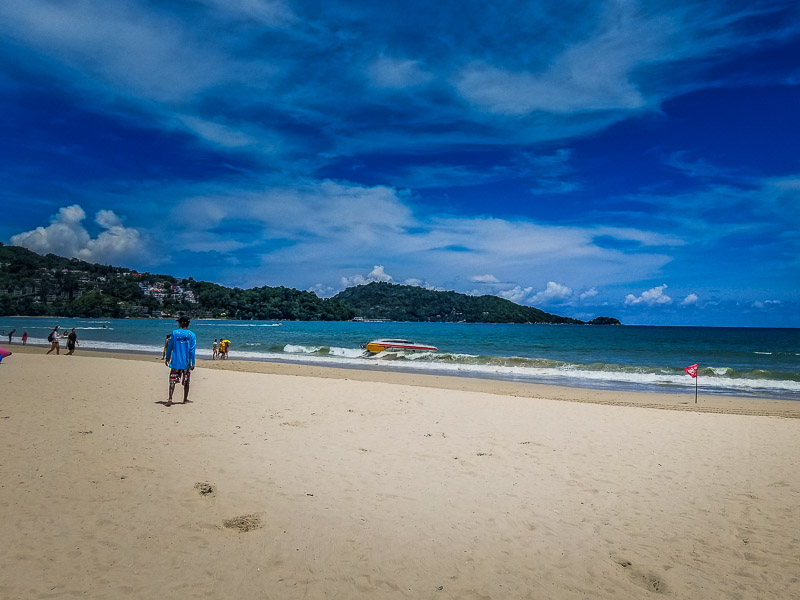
186	394
171	389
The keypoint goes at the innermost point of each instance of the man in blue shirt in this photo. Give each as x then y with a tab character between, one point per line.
179	357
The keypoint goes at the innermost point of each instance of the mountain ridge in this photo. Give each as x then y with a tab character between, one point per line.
51	285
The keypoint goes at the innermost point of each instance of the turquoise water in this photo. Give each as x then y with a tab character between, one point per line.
736	361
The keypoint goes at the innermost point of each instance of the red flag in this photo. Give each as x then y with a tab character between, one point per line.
692	370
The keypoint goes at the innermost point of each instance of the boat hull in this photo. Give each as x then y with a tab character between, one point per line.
398	346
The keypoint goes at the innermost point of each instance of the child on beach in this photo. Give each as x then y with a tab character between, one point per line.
179	356
214	350
24	338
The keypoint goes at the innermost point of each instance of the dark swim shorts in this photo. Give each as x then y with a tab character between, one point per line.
180	376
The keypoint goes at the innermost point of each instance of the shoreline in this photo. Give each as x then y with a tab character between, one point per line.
721	404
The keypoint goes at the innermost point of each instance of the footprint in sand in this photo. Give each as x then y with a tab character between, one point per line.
204	488
243	523
648	581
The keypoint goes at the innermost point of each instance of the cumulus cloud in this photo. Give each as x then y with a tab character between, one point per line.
652	297
66	236
587	294
377	274
516	294
690	300
554	293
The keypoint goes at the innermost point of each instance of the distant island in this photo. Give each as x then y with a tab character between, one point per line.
50	285
394	302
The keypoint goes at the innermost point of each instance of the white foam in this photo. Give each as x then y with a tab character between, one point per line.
568	373
296	349
347	352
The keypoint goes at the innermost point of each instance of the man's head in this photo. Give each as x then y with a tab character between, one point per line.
183	321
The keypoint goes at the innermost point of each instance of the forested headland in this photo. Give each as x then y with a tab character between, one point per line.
48	285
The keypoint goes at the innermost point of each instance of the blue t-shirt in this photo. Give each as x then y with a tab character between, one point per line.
180	349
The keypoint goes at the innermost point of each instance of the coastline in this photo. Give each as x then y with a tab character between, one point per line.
722	404
330	483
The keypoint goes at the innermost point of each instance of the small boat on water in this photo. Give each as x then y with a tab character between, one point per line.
376	346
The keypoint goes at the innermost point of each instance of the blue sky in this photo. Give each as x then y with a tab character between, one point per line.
632	159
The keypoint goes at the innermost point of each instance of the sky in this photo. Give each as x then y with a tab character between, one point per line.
624	158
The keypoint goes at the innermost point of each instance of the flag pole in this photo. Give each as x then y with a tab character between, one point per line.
695	385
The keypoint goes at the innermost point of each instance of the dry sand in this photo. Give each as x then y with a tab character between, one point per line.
340	485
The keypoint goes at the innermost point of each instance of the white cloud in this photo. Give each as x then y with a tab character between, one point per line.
107	219
554	293
765	303
310	230
377	274
587	294
606	69
516	294
653	296
222	135
488	278
323	290
690	300
66	236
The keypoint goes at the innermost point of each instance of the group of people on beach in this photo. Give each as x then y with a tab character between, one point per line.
54	339
220	350
56	335
11	333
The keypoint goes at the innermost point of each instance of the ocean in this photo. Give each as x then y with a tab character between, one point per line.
733	361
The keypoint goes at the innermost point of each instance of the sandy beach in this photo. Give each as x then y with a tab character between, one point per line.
285	481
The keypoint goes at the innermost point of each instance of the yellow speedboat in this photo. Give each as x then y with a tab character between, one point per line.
377	346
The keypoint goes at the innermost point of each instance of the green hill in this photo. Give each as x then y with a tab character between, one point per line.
409	303
36	285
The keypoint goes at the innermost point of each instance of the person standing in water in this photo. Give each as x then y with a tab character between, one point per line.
24	338
10	335
179	357
214	350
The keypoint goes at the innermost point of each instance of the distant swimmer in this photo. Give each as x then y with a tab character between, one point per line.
180	358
